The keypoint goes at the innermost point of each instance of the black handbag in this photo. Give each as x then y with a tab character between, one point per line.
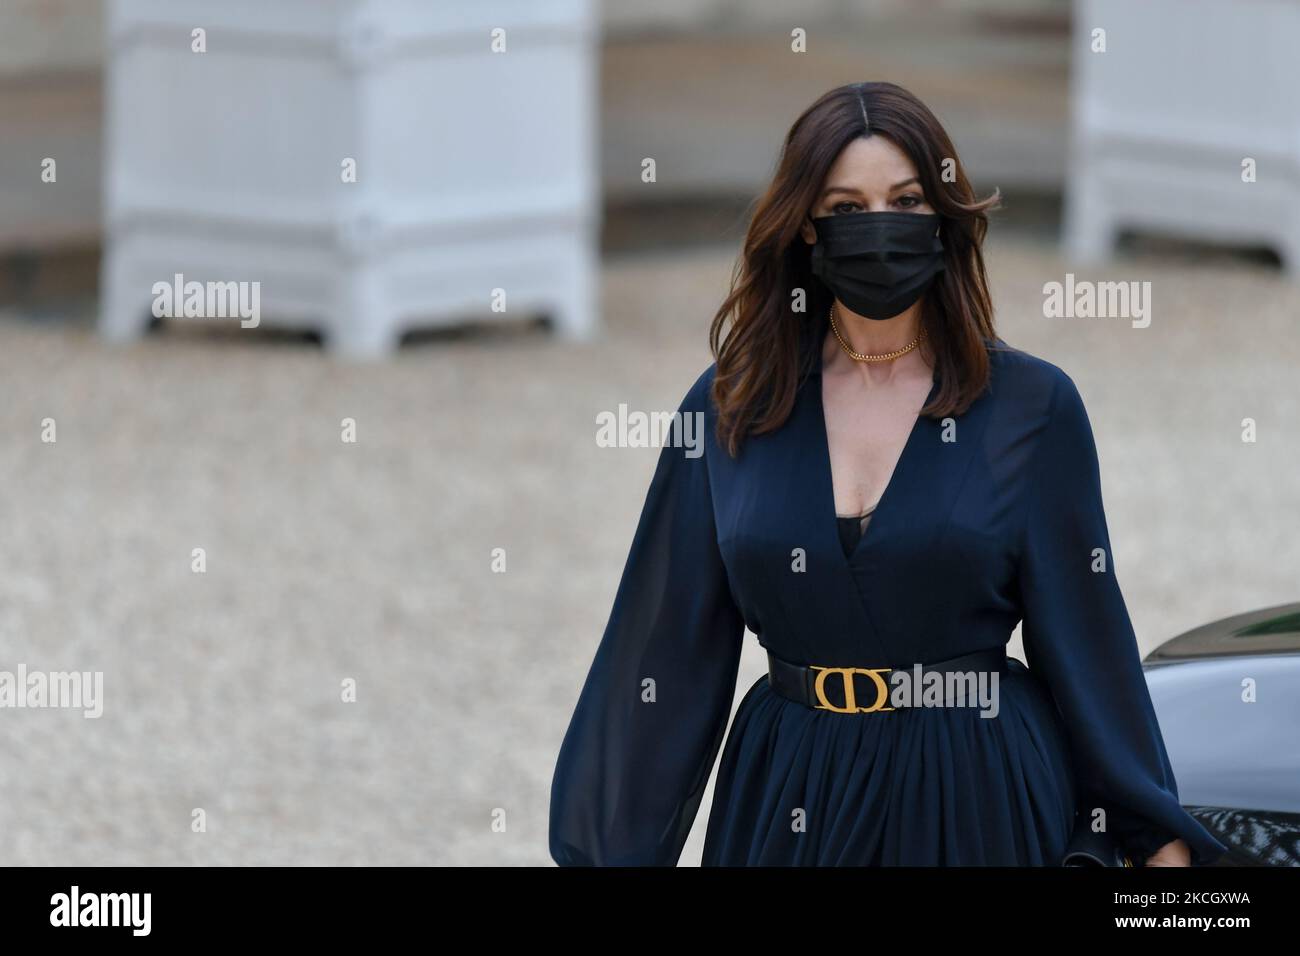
1087	847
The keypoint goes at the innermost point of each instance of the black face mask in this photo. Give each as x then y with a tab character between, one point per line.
877	263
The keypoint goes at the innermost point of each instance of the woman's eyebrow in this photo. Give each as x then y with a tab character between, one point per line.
857	192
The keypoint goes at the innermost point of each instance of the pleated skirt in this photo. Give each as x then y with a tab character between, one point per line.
929	786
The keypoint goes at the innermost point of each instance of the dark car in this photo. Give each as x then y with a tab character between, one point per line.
1227	695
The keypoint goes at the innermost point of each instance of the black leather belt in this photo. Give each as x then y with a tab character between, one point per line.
843	689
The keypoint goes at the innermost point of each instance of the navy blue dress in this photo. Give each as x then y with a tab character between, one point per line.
992	518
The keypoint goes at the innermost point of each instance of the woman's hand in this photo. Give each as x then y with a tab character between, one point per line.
1173	853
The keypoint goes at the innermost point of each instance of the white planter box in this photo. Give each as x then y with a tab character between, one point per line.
1186	91
475	170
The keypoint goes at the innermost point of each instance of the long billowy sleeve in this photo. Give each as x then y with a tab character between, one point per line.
1078	637
652	713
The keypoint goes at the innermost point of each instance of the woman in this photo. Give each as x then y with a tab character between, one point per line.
884	483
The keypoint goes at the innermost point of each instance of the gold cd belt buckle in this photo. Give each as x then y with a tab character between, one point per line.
850	697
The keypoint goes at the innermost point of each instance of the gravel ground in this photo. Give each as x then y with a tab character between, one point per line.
372	561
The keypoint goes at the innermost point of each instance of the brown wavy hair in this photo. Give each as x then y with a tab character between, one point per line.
762	347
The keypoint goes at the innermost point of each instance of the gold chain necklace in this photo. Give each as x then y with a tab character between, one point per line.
883	357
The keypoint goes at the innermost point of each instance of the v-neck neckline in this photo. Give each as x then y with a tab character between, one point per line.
881	510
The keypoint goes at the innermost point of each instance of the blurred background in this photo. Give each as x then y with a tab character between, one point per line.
460	248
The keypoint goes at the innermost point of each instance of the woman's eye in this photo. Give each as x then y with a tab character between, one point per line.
908	201
843	207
